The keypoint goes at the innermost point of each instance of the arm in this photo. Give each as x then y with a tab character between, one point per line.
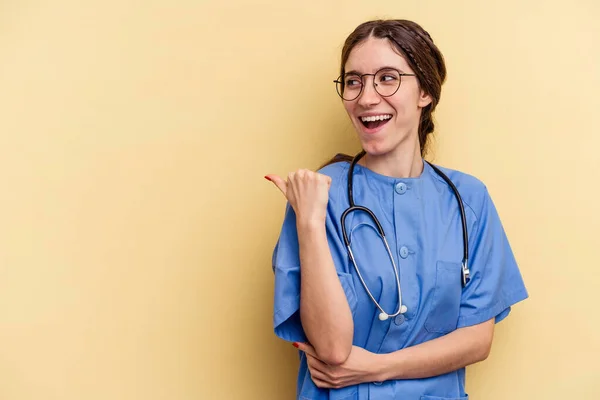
324	310
462	347
448	353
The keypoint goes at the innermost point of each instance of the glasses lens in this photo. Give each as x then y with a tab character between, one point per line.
387	82
349	87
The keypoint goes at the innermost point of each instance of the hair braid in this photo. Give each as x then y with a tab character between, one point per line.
412	57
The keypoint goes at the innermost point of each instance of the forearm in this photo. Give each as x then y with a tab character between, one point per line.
463	347
324	310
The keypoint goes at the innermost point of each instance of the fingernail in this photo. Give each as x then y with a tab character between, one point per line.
267	178
295	345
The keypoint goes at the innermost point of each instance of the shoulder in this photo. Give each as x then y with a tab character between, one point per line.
473	190
338	172
335	168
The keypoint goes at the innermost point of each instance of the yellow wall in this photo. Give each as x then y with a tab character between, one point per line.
136	227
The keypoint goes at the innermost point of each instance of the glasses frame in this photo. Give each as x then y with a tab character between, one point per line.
340	82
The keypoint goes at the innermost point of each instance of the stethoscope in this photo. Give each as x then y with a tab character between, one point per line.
353	207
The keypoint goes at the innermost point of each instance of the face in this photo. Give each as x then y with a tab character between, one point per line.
397	116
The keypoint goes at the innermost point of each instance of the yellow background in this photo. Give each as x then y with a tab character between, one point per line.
136	228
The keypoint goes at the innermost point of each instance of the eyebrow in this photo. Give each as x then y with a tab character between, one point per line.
354	72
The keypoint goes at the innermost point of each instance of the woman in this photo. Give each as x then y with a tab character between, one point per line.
401	318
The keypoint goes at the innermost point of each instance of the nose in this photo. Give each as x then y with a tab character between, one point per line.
369	96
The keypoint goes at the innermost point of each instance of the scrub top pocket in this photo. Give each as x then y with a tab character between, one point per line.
445	304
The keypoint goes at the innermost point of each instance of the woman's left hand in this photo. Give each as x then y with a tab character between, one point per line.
361	366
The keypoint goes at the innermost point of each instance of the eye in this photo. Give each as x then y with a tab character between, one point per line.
388	77
352	81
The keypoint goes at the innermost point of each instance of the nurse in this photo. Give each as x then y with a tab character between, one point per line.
328	305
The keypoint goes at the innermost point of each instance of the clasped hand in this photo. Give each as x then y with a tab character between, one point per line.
360	366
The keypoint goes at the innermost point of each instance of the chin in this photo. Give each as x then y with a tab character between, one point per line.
375	148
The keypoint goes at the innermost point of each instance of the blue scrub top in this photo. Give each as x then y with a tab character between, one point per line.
421	221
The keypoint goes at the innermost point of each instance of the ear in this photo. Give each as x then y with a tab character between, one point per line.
424	99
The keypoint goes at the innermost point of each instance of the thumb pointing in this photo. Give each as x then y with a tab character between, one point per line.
277	181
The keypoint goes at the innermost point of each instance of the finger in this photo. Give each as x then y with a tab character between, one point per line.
326	179
291	178
307	348
280	183
319	376
321	384
317	364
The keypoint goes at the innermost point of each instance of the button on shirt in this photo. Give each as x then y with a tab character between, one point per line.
401	187
421	221
403	252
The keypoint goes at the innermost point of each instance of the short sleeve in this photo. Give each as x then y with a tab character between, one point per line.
286	267
496	282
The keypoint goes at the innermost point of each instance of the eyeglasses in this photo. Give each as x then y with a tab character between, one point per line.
386	82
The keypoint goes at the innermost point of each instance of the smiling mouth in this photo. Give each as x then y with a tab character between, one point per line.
375	122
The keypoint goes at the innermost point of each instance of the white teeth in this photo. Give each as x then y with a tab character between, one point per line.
376	118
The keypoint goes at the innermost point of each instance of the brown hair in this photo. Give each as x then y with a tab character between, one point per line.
417	47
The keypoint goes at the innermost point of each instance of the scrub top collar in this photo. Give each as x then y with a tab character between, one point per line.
413	183
427	171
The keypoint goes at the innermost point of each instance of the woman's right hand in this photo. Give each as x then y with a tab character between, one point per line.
308	194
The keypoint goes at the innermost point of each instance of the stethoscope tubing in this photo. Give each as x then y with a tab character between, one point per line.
354	208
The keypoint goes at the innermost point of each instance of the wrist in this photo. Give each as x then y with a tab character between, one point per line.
383	368
310	225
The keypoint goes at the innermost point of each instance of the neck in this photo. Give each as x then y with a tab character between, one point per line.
402	162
